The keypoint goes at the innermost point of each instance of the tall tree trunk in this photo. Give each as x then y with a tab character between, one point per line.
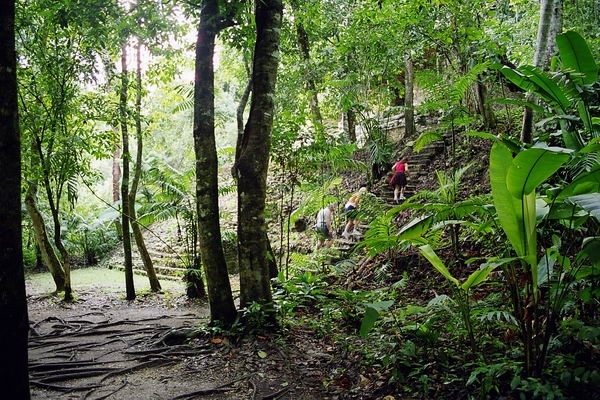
238	150
253	162
550	25
14	322
222	308
409	98
125	211
137	173
485	110
311	87
116	173
54	205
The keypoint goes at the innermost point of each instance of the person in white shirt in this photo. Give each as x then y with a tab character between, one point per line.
324	227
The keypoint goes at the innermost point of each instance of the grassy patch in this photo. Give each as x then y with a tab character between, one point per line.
96	279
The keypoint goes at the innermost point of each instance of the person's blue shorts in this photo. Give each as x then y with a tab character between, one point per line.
351	212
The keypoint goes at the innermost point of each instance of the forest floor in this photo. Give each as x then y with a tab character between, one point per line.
102	346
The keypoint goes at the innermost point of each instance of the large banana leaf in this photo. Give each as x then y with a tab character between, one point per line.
590	202
588	182
513	184
577	57
507	206
534	80
561	96
532	167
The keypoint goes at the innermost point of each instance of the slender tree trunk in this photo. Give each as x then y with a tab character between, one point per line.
64	254
240	120
57	235
54	205
116	182
550	25
125	211
116	173
253	162
222	307
14	322
351	121
311	86
409	98
66	262
135	226
194	284
43	241
486	111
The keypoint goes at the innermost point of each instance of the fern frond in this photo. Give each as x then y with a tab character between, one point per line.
426	138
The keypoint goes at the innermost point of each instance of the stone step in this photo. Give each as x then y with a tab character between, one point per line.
142	272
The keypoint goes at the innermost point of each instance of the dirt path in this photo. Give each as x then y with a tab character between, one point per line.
104	347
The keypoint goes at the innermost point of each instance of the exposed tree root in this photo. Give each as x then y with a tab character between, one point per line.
63	388
145	364
108	394
100	359
66	375
37	366
204	392
276	395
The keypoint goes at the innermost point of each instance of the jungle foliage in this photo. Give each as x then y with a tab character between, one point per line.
483	283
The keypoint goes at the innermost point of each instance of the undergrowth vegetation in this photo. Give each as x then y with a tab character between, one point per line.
478	296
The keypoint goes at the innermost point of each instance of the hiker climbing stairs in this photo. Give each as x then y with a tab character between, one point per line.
419	172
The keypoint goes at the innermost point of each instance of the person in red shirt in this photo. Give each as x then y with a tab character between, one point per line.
398	181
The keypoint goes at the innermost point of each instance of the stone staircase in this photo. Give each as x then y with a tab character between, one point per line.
163	248
420	173
421	176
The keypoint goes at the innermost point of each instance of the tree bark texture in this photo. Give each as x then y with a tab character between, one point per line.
240	120
484	107
351	121
137	173
116	173
253	162
14	321
125	211
222	307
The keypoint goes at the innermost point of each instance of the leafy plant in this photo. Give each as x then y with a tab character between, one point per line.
567	92
462	289
516	200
